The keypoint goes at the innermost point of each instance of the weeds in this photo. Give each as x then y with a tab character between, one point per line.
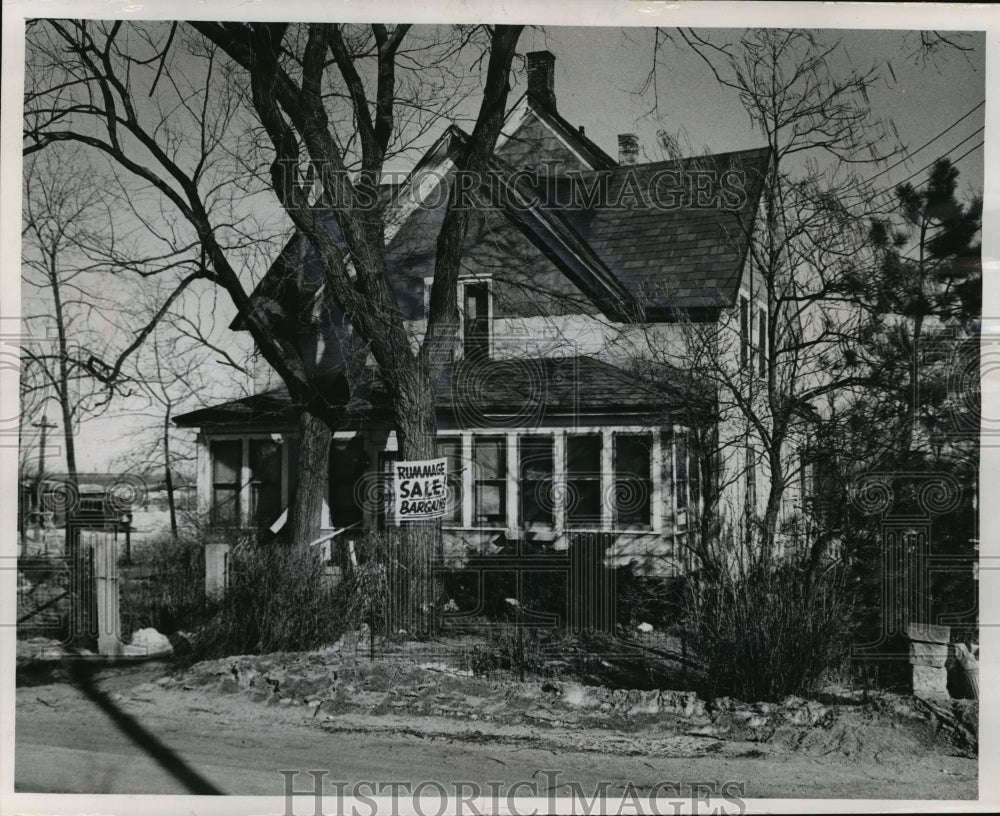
762	635
165	587
278	598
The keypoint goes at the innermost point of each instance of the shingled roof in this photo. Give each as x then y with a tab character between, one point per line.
669	249
526	387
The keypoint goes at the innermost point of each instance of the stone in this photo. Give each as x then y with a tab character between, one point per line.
150	642
928	632
930	680
646	706
928	654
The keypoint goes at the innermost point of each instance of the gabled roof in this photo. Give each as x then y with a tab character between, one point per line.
518	127
632	253
593	154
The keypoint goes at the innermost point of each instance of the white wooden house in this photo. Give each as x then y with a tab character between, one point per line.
576	267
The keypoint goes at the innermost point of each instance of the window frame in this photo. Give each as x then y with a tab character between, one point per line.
646	482
487	342
522	483
254	508
586	476
234	486
498	481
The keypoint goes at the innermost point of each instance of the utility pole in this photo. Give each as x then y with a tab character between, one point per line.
44	426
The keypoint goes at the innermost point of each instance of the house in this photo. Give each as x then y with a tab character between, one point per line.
576	267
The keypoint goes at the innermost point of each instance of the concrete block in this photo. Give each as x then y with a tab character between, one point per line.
928	654
928	632
930	680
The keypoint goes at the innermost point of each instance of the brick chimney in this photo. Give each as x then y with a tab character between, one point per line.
628	148
541	79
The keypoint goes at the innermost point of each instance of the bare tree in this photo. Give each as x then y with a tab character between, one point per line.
335	96
179	365
66	228
773	361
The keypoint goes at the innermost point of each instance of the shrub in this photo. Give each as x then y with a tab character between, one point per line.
278	598
763	635
165	587
510	647
363	596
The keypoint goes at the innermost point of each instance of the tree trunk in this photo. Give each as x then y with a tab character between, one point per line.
416	544
312	476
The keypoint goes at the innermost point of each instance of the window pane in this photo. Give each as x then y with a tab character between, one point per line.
489	501
583	480
633	486
225	506
265	460
536	480
226	461
583	454
490	457
632	455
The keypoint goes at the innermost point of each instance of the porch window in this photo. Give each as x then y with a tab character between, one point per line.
348	469
265	481
536	480
451	449
687	476
490	481
633	479
681	461
583	480
227	465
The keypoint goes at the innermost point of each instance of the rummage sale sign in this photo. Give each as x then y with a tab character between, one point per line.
420	489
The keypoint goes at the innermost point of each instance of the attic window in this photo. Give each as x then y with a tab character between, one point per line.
476	321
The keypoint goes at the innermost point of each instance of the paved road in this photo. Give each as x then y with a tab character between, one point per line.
67	743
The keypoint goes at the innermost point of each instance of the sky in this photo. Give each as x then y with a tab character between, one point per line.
599	72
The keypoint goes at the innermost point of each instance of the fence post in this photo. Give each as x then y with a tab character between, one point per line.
215	568
106	580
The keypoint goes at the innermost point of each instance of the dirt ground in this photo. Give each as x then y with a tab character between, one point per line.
232	722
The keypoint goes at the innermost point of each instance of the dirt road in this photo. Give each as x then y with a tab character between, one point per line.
65	742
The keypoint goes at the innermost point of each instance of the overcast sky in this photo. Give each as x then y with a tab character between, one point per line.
599	71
